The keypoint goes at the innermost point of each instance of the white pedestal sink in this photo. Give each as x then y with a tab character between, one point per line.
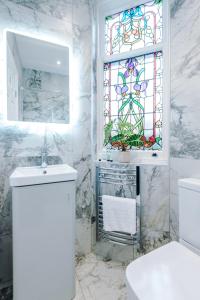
43	232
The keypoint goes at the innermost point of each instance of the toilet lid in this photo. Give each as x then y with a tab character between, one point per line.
171	272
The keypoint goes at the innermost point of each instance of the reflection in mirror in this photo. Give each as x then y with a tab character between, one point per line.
37	80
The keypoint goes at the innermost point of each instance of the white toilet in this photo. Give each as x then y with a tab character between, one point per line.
172	272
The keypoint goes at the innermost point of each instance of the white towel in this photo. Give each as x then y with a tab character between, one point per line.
119	214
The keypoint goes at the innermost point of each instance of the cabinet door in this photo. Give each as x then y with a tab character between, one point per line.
43	241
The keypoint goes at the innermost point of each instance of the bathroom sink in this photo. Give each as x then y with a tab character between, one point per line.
37	175
43	215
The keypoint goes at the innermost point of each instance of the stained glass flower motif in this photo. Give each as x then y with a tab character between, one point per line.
135	28
133	95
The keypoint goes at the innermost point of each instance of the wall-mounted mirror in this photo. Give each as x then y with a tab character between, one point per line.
37	80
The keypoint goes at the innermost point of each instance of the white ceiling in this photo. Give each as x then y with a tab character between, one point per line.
41	55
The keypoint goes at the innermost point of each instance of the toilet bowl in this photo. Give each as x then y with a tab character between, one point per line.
172	272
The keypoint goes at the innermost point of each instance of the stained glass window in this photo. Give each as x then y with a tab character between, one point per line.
133	99
135	28
133	87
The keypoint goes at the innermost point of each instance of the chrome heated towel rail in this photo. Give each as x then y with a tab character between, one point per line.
120	179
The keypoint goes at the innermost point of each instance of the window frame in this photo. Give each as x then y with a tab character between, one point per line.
110	7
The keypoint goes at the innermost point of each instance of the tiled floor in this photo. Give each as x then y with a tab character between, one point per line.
97	280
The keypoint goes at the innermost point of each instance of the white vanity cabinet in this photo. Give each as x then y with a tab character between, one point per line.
43	233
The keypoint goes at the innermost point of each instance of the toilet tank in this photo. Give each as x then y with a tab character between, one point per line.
189	212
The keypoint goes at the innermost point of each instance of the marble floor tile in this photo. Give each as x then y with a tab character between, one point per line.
79	292
100	280
95	280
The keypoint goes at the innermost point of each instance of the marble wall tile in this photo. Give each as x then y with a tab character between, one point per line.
185	108
154	195
61	9
82	37
175	7
118	253
36	24
155	206
185	70
47	101
83	237
20	144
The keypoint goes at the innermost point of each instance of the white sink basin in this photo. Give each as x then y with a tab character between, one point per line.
37	175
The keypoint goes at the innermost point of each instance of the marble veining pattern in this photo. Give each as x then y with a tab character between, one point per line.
97	279
185	70
154	197
74	146
44	97
155	206
175	7
20	144
61	10
185	108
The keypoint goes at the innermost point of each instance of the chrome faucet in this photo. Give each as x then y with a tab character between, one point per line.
44	154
